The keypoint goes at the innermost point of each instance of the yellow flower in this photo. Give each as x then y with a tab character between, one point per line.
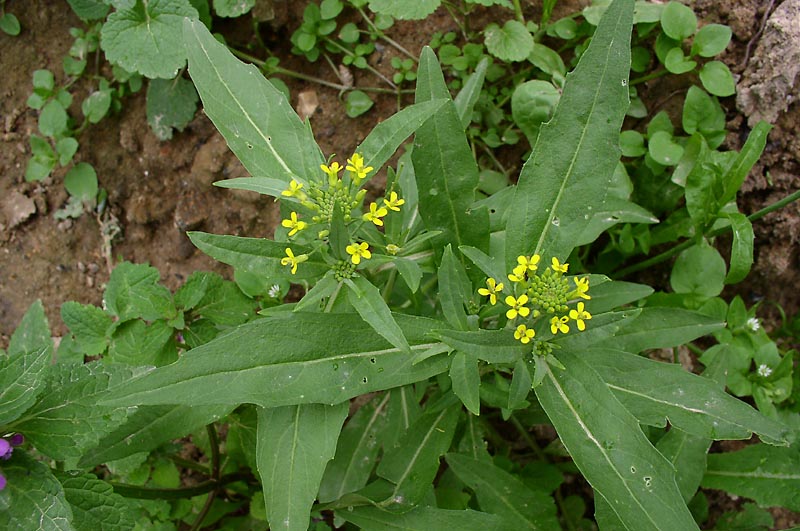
332	171
293	224
294	190
559	324
291	260
559	267
529	263
581	287
524	334
357	251
518	273
517	306
492	289
356	166
393	203
579	316
375	214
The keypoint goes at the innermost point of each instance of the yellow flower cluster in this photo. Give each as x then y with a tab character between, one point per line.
534	293
326	195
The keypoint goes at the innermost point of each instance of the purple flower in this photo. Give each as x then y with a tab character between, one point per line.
17	439
5	449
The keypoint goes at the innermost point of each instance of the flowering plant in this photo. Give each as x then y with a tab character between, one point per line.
435	304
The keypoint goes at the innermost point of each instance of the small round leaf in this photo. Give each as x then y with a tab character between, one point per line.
357	103
717	79
81	182
663	149
10	24
678	21
699	270
512	42
711	40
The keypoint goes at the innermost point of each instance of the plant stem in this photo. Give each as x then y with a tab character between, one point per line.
528	439
666	255
383	36
652	75
213	440
389	286
332	299
518	11
149	493
368	67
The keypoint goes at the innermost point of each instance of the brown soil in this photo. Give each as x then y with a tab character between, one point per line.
158	190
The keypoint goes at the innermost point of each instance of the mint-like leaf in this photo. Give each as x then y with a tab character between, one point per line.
33	498
512	42
94	504
170	104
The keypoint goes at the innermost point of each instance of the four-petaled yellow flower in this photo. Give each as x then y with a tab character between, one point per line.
581	287
579	316
524	334
557	266
393	203
375	214
492	289
529	263
517	306
559	324
518	273
332	171
356	166
291	260
293	190
358	251
294	224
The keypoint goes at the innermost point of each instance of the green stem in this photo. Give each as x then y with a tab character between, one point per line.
518	11
563	510
213	440
368	67
332	299
528	439
387	289
652	75
149	493
669	253
383	36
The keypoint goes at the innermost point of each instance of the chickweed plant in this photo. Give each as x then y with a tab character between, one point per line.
426	359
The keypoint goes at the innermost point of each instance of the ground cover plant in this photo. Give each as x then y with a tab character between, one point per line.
367	364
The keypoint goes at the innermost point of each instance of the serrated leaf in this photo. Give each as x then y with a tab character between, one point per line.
294	445
368	302
512	42
138	343
148	428
133	291
257	121
95	505
405	10
466	381
412	465
33	497
303	364
171	103
89	325
609	448
446	172
768	475
67	419
661	328
424	518
356	451
741	248
656	392
503	494
146	38
573	162
233	8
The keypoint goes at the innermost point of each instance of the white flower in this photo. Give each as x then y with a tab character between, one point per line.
753	324
274	291
764	371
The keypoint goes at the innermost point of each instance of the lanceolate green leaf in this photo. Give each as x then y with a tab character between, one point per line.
387	136
356	450
294	445
469	93
466	380
744	162
412	464
654	392
369	303
447	174
661	328
424	519
493	346
150	427
610	449
254	117
741	249
454	290
503	494
768	475
570	169
305	357
258	255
